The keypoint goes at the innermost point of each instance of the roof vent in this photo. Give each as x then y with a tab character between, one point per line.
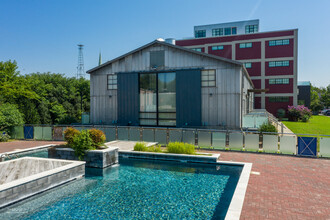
160	39
170	41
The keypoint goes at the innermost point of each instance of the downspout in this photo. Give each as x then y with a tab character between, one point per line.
242	87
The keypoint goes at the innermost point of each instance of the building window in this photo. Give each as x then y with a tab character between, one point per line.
208	78
248	65
233	30
157	59
112	81
279	81
251	29
245	45
228	31
217	32
197	49
158	99
279	63
217	48
279	42
200	33
279	99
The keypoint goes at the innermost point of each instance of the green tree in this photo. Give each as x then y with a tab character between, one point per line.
9	116
325	97
320	98
61	96
45	98
12	85
315	100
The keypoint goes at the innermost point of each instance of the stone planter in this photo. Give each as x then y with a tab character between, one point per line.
94	158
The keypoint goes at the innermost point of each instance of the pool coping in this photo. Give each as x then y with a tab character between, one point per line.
184	158
20	151
237	201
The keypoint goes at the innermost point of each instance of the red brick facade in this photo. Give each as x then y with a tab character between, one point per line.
268	58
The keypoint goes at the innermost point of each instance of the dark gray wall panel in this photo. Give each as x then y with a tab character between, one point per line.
128	98
188	98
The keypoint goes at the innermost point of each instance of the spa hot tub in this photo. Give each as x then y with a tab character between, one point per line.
27	176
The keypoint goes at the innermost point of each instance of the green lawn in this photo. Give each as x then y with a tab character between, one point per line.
316	125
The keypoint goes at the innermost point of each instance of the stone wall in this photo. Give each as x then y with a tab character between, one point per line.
94	158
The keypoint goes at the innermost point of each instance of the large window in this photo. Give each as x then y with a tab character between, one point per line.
251	29
208	78
148	99
279	42
279	63
158	99
200	33
279	81
233	30
217	48
217	32
112	81
245	45
197	49
167	99
228	31
279	99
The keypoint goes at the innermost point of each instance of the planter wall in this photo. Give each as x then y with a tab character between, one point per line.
94	158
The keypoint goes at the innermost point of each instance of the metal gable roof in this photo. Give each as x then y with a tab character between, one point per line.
165	44
176	47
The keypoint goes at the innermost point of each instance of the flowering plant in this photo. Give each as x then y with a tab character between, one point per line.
299	112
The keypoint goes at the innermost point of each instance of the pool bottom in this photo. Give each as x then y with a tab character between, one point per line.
138	189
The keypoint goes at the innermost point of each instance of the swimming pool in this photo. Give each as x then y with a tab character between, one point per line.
140	190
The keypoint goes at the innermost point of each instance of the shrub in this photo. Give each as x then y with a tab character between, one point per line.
98	137
156	149
140	146
180	148
299	112
267	127
294	114
69	135
305	118
4	137
82	143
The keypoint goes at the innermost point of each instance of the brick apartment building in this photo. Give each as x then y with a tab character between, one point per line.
269	57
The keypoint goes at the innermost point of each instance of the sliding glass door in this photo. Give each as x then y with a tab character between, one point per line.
158	99
148	99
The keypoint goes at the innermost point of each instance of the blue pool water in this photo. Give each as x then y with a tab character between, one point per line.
37	153
137	189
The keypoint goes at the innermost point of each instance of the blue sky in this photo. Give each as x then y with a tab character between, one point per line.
42	35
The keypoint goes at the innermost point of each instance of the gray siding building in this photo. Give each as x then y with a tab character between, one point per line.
161	84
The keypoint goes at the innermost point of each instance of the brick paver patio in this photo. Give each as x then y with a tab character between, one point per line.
287	187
